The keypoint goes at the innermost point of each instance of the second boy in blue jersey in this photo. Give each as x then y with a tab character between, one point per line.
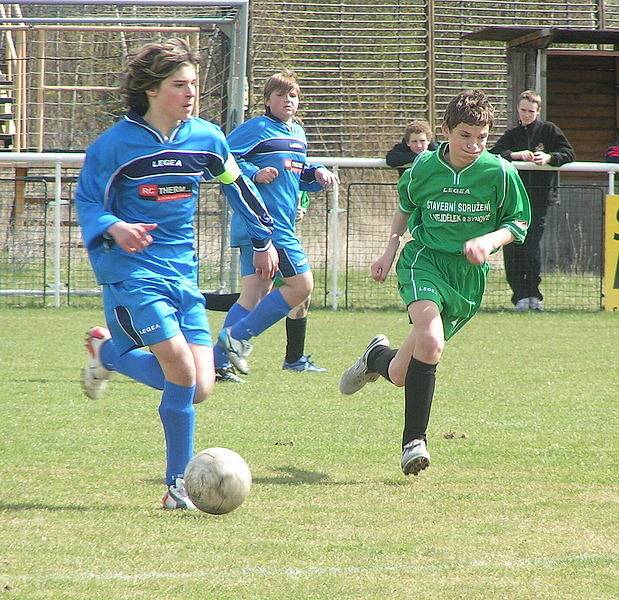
271	151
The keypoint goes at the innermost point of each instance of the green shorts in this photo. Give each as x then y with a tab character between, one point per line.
449	280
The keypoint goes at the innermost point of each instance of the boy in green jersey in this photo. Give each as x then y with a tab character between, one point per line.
461	204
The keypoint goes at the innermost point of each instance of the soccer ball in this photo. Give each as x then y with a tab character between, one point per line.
217	480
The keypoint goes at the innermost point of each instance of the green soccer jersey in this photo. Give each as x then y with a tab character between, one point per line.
449	207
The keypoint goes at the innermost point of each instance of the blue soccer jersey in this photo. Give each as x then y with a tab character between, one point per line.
266	141
134	174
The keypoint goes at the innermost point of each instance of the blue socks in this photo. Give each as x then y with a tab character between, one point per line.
178	417
176	410
236	313
269	310
137	364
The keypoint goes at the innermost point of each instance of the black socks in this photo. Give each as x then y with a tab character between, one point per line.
379	359
295	338
418	394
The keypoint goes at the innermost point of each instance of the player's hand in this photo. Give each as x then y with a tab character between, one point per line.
300	214
132	237
525	155
266	263
541	158
325	178
266	175
380	268
478	250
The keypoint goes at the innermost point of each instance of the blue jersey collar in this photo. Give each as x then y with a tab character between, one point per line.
134	117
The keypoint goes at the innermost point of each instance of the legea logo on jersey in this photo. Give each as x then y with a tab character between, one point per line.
167	162
425	288
451	190
296	146
295	166
149	328
164	193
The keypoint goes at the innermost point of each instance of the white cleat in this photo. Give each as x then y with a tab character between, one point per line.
354	378
415	457
95	376
522	305
536	304
237	350
176	497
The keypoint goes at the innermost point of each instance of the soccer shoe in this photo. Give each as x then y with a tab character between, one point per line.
415	457
237	350
227	375
354	378
177	497
95	376
536	304
522	305
304	364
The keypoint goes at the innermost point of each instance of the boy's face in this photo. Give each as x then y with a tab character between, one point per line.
466	143
173	99
527	111
418	142
283	104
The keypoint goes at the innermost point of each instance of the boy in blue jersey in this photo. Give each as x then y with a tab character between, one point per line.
460	204
136	200
271	151
295	358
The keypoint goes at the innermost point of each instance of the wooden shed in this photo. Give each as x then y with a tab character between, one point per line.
579	86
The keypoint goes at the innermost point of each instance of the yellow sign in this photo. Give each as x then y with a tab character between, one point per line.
611	254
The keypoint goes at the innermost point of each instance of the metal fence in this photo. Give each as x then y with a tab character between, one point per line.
43	262
571	250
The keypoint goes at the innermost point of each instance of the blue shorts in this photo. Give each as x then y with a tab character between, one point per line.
143	312
292	261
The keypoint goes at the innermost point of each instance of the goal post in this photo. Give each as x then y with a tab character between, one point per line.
64	59
60	63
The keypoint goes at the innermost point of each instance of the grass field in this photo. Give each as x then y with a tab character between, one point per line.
520	500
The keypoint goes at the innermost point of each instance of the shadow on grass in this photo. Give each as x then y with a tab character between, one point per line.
40	506
294	476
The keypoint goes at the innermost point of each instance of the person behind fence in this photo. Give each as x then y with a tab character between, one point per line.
271	150
136	200
295	358
418	137
542	143
612	153
460	204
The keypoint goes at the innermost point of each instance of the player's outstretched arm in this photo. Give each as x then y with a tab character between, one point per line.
380	268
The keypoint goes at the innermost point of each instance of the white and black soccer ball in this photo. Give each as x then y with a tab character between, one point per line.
217	480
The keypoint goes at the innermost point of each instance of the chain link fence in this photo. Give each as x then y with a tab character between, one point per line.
571	247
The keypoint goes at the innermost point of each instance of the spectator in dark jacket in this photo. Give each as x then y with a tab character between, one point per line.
542	143
417	138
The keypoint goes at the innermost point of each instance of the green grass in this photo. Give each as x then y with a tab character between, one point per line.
520	500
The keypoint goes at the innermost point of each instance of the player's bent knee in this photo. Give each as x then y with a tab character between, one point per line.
398	379
203	391
430	349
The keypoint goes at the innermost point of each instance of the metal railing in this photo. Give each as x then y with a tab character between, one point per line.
335	254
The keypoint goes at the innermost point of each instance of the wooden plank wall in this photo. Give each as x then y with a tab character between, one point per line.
583	99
